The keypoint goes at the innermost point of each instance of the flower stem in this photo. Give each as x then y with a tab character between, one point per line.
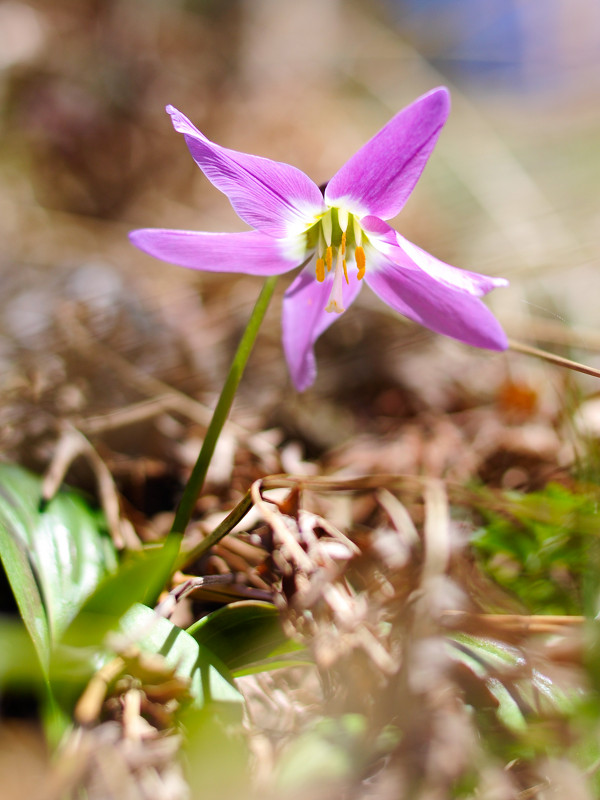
230	521
221	412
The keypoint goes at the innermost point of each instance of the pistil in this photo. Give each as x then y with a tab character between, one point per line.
329	257
336	301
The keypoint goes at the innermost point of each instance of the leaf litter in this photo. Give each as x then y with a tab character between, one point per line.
373	575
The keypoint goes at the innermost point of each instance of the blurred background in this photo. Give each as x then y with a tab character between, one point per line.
88	153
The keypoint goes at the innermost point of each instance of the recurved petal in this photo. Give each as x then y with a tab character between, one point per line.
408	256
472	282
304	319
272	197
444	309
250	252
379	178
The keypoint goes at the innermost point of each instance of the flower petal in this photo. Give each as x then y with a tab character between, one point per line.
304	319
472	282
380	177
250	252
272	197
408	256
445	309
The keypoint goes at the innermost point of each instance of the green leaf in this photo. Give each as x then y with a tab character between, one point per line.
210	679
216	756
19	662
139	579
333	750
247	636
53	558
508	711
543	548
522	692
83	645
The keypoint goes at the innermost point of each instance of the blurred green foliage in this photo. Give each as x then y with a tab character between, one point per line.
543	548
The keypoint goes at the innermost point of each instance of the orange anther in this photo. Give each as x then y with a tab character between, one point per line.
359	255
329	257
320	270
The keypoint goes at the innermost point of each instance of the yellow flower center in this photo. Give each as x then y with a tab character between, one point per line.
337	237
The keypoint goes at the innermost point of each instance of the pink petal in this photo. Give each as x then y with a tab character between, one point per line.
304	319
408	256
272	197
445	309
380	177
472	282
250	252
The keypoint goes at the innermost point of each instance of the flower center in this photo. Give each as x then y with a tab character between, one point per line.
339	238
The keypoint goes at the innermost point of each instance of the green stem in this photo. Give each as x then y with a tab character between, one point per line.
230	521
221	412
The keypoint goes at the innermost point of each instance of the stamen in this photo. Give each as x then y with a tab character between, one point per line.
345	271
320	243
343	244
320	270
357	231
327	227
359	255
336	302
329	257
343	219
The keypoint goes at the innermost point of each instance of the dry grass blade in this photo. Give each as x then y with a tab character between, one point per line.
279	527
436	531
129	415
522	624
559	361
399	516
163	397
166	606
72	444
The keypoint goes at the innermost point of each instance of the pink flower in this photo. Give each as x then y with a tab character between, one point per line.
342	228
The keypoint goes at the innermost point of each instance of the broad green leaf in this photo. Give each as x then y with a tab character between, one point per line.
210	679
19	662
139	579
53	558
21	671
247	636
83	646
